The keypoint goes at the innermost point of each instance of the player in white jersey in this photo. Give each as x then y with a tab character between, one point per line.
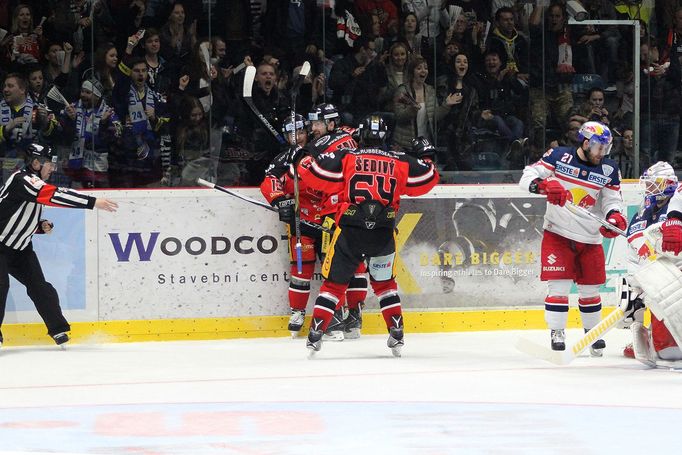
655	343
571	242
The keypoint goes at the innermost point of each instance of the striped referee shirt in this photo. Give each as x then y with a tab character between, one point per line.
21	204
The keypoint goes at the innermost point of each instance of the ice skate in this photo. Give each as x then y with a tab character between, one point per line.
558	337
296	322
60	339
353	324
334	330
395	340
314	342
597	348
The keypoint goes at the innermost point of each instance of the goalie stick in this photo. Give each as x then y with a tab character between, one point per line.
305	69
249	76
582	210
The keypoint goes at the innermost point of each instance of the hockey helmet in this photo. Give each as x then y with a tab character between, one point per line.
599	137
288	125
372	130
42	153
659	183
323	112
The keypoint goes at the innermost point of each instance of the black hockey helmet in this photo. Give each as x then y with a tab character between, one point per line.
324	111
42	153
422	148
288	126
373	130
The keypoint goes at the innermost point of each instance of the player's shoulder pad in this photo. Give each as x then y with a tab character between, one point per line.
610	168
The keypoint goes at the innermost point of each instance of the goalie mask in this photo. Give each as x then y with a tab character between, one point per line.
599	140
659	183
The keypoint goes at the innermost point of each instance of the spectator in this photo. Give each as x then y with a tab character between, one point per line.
356	75
408	34
570	135
417	109
201	74
659	106
593	109
21	122
460	94
624	155
290	26
177	37
191	145
104	68
625	91
551	74
158	77
272	103
95	128
498	93
135	163
25	41
431	16
511	46
386	10
395	72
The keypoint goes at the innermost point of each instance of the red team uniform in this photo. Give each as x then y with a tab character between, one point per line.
369	182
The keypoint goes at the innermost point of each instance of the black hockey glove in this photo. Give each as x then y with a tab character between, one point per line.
285	207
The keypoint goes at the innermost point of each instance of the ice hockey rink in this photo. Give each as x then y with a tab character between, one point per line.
461	393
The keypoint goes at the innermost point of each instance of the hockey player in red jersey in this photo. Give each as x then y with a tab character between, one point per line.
328	135
571	242
369	182
316	227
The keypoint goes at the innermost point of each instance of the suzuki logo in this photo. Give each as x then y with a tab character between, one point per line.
551	259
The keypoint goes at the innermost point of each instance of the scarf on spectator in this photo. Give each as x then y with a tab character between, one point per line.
347	28
87	128
136	107
565	63
509	48
26	111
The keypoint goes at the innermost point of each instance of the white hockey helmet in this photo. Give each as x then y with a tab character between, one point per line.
659	183
599	137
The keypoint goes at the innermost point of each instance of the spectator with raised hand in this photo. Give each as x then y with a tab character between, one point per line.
158	77
417	109
191	145
94	128
136	162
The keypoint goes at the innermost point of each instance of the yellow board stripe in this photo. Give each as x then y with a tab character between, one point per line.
406	282
275	326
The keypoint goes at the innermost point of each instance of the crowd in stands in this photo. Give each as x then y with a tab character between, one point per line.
143	93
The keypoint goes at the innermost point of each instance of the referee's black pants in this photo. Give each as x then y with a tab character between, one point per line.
24	266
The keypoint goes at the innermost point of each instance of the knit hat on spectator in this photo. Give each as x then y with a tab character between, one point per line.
94	86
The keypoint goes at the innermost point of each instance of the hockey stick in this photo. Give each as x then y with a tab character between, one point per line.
249	76
565	357
305	69
208	184
578	210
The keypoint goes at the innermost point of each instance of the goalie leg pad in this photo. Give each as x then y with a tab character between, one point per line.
662	283
641	344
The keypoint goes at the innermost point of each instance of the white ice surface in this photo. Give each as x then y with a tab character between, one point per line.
449	393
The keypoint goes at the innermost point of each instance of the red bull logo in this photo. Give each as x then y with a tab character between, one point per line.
581	198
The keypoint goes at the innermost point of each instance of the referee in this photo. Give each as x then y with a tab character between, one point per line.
21	203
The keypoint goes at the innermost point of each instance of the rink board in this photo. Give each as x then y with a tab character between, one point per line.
198	264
